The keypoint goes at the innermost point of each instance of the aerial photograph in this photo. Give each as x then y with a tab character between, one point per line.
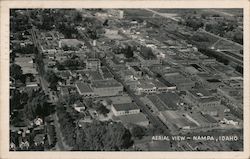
122	79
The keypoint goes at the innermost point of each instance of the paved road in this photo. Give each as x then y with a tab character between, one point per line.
60	145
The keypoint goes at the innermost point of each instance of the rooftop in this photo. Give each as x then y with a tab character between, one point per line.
125	106
23	60
106	83
200	93
84	87
177	118
121	99
133	118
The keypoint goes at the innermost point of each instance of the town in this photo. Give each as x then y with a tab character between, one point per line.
112	79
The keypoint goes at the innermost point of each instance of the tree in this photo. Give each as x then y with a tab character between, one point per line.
16	71
103	136
194	23
78	17
52	78
138	132
128	52
37	105
103	110
147	53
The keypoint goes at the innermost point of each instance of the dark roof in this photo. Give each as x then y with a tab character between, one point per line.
106	73
125	106
170	99
84	87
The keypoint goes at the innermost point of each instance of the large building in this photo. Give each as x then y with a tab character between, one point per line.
202	97
147	62
84	89
135	119
125	109
181	82
206	102
104	88
176	120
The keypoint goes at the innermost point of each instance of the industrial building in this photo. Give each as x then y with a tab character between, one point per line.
103	88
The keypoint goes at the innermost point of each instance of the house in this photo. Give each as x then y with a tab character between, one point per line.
79	106
125	109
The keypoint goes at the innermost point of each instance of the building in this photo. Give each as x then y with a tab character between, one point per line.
147	62
136	119
202	98
206	102
126	75
64	91
163	101
163	87
70	43
79	106
93	64
125	109
202	120
120	99
180	81
104	88
27	64
176	120
84	89
145	87
136	70
106	73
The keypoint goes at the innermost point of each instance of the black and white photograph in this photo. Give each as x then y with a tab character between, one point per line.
126	79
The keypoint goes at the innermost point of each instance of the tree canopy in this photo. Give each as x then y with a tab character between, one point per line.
103	136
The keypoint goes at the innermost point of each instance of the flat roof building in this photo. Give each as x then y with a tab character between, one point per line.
104	88
125	109
84	89
137	119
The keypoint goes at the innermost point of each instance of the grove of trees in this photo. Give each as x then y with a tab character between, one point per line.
103	136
